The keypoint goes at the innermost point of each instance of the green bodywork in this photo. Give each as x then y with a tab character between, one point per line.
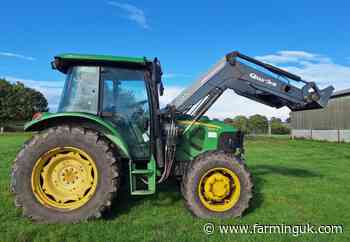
109	131
193	140
201	137
110	58
63	62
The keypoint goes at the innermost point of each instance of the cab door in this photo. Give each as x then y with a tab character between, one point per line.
126	104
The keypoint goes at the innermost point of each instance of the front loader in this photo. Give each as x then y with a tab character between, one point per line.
109	124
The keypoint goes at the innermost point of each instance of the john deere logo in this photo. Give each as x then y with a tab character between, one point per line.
261	79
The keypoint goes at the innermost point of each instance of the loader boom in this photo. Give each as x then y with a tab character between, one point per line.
255	80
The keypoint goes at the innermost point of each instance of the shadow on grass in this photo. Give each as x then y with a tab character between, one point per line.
167	194
281	170
258	173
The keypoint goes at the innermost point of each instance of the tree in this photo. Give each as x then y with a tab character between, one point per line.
204	118
275	121
277	126
242	123
228	120
5	93
19	103
258	124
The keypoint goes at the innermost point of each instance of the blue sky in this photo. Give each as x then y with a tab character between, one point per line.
310	38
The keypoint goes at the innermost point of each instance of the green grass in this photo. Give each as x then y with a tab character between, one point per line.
296	182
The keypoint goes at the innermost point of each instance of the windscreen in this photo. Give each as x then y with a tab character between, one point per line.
80	93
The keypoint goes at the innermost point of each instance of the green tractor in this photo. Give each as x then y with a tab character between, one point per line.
109	124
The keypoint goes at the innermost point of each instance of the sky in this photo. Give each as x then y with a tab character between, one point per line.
309	38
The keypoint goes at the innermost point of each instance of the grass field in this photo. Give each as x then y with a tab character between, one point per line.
296	182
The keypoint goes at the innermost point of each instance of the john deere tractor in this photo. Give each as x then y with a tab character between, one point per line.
109	124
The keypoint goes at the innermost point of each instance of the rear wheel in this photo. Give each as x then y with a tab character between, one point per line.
65	174
217	184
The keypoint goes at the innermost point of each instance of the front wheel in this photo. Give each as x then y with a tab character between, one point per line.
217	184
65	174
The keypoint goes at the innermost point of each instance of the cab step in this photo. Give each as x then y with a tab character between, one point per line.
142	172
143	180
142	192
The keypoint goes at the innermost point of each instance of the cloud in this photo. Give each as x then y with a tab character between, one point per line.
14	55
311	67
51	89
229	105
171	75
292	56
170	92
132	12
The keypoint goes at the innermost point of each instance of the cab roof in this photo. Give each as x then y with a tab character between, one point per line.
63	62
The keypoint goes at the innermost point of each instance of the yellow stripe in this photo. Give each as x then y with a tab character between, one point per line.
200	123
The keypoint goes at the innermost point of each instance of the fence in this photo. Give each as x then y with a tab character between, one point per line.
337	135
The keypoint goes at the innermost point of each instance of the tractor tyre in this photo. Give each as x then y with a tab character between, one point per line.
65	174
217	184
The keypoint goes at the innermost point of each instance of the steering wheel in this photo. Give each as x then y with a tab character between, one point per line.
120	117
117	116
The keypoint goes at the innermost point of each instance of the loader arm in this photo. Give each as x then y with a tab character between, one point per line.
253	79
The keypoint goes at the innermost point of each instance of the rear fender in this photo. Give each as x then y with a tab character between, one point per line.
47	120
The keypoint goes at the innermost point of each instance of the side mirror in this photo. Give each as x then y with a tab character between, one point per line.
161	89
157	76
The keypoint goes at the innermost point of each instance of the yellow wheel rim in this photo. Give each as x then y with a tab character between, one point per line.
64	178
219	189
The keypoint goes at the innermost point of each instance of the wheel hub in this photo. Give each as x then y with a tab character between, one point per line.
69	176
219	189
64	178
217	186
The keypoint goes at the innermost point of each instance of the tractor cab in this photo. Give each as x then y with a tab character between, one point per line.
121	90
